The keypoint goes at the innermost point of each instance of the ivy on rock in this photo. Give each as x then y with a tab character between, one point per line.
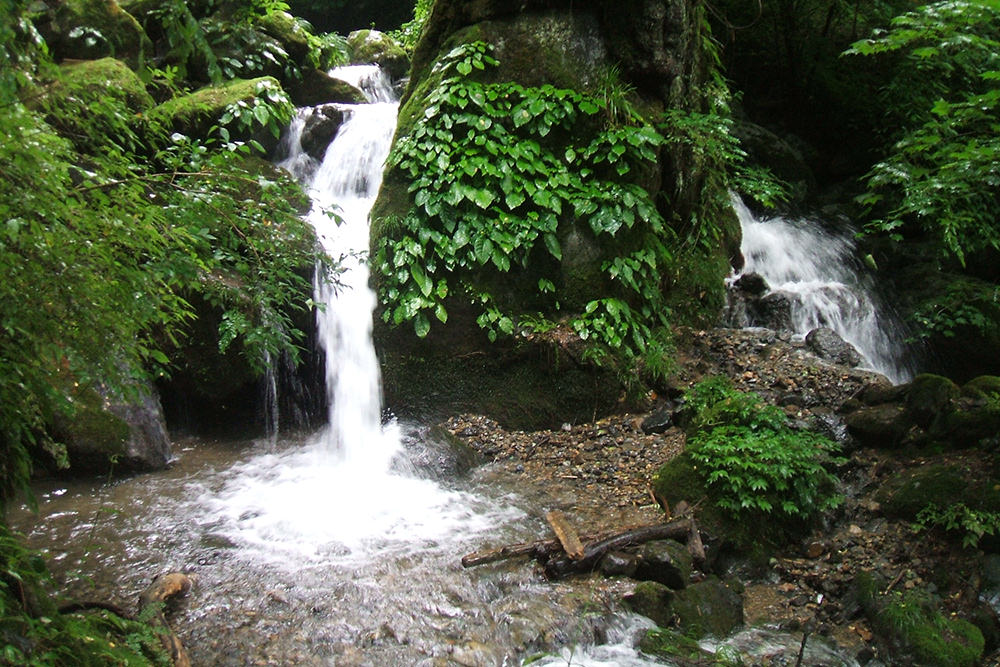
500	173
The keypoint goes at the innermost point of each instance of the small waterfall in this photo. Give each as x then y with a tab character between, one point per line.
817	270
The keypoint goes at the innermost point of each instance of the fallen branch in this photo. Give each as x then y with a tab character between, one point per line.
158	592
592	553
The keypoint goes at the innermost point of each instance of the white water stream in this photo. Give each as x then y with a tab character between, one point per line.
826	284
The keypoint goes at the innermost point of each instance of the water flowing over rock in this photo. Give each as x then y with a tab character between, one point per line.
815	282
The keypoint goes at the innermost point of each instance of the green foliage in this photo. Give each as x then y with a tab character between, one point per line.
752	460
270	108
494	168
410	32
914	624
98	260
971	523
964	304
35	633
941	175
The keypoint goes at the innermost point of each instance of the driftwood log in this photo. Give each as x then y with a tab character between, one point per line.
568	538
162	589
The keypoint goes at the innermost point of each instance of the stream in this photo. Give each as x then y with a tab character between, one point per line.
343	546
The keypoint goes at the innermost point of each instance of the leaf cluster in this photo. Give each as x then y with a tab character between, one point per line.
941	175
752	460
971	523
495	168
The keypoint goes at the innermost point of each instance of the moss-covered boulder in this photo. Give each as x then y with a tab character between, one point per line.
881	426
320	88
294	37
545	270
652	600
372	46
119	434
664	561
708	607
95	103
914	627
196	113
89	29
903	495
986	387
929	397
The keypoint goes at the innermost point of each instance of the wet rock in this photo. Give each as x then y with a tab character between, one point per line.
828	345
707	608
320	88
372	46
773	311
615	563
659	421
664	561
319	130
752	284
652	600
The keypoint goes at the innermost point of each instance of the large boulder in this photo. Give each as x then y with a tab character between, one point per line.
644	56
827	344
320	88
106	433
664	561
708	607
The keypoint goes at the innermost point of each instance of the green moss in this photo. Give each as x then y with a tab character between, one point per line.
291	34
95	103
915	627
195	113
652	600
906	493
982	387
929	397
668	644
95	439
372	46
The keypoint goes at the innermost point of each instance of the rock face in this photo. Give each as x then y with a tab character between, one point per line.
648	54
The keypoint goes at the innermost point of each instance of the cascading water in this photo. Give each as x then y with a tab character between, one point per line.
827	287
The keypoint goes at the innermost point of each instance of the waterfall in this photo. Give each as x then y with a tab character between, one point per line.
817	270
340	495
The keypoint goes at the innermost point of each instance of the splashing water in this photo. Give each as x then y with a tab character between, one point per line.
827	286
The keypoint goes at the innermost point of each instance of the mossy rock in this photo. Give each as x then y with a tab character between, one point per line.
663	643
89	29
973	422
983	387
290	33
883	426
317	88
94	103
95	439
652	600
708	607
194	114
913	624
665	561
929	397
372	46
905	494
